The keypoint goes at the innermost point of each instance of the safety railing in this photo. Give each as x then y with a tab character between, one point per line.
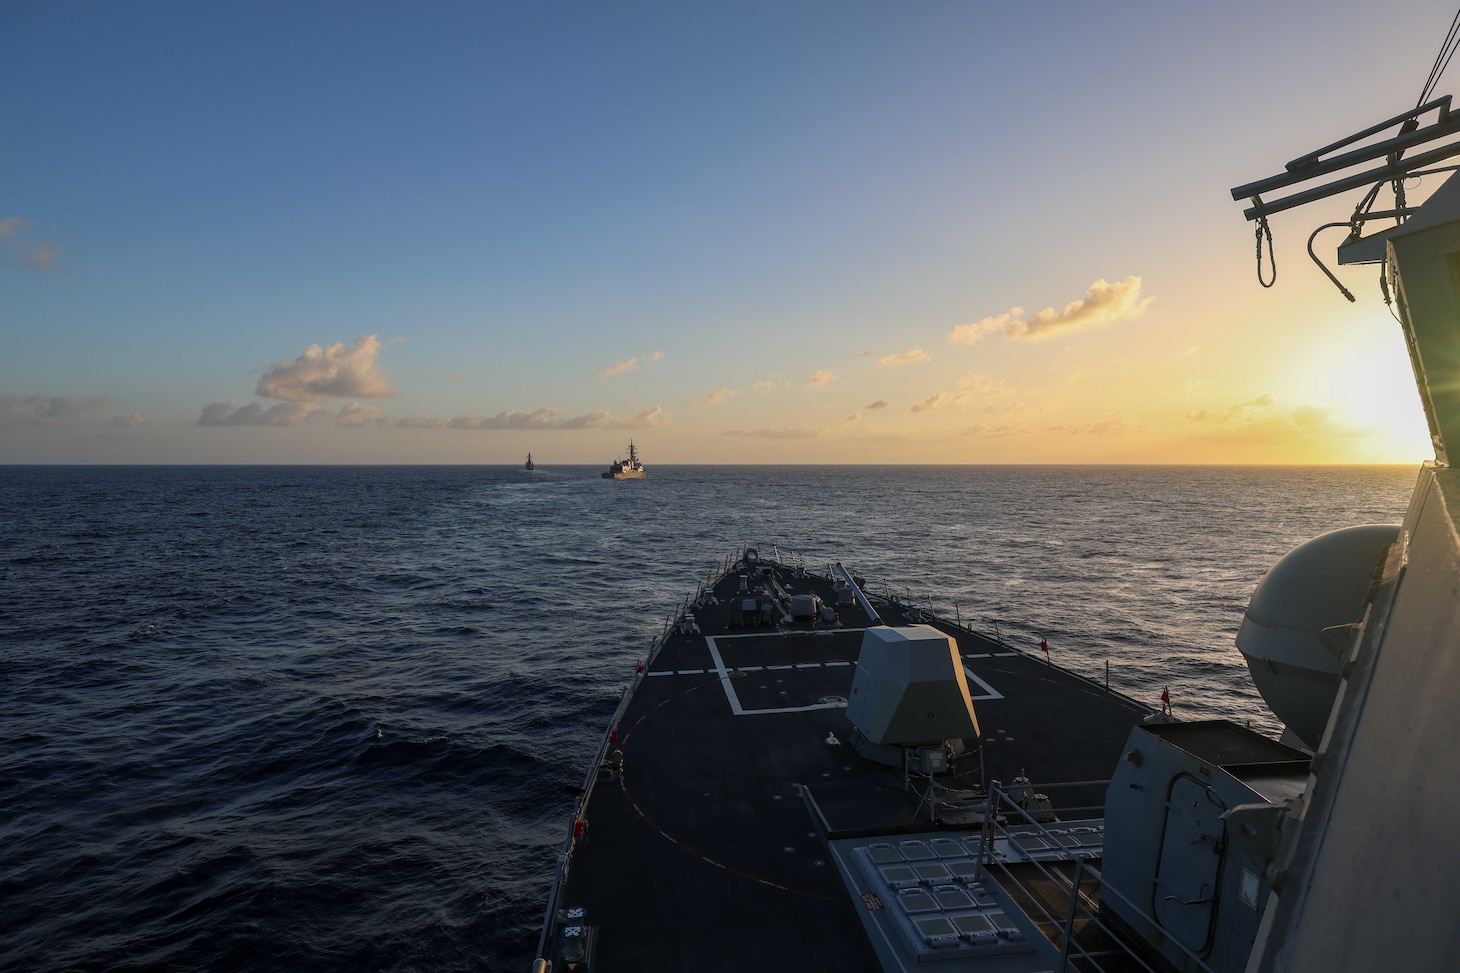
590	780
1082	909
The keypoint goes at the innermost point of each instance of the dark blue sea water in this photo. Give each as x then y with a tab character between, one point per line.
323	718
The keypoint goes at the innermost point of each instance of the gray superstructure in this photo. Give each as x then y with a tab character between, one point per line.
1363	876
626	469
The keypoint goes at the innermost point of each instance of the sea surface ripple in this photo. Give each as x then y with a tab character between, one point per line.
325	718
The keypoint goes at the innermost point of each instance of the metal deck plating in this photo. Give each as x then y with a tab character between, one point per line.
728	802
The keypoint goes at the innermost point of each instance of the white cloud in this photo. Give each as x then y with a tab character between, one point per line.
929	404
793	432
647	419
254	414
546	419
820	378
1254	422
716	397
39	254
130	422
969	334
989	388
334	371
854	417
879	404
941	400
1257	421
984	431
30	410
1241	412
43	255
905	358
1111	425
629	364
357	416
1103	303
618	368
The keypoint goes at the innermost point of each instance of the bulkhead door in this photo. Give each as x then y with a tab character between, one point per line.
1191	860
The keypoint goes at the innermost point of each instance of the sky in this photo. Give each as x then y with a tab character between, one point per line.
934	232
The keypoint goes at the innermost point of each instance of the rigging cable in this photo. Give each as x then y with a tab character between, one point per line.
1361	211
1442	60
1336	283
1384	288
1262	230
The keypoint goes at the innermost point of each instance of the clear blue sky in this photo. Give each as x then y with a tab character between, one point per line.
727	230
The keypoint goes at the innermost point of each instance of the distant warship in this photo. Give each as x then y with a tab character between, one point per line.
530	465
629	469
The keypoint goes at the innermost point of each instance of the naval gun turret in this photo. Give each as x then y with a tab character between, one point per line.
909	704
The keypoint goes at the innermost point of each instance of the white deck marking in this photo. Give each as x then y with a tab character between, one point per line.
1005	655
691	672
977	655
836	663
790	632
989	692
734	700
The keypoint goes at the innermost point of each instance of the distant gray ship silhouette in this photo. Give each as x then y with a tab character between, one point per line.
629	469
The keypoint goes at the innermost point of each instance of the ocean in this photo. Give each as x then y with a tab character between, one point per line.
329	718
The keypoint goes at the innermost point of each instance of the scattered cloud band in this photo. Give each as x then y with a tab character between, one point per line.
546	419
221	414
716	397
1103	303
37	254
31	410
629	364
905	358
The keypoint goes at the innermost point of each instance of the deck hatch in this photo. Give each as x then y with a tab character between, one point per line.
899	876
935	872
952	897
974	926
884	854
916	900
948	848
937	909
937	932
916	851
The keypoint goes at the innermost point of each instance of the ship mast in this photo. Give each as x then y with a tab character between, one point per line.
1423	292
